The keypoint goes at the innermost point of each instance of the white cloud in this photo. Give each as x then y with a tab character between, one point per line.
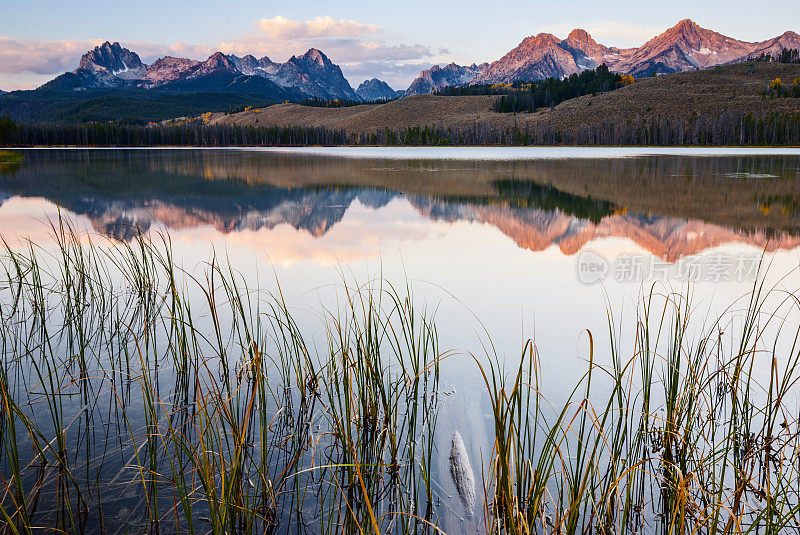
609	32
362	50
149	52
349	52
41	57
339	50
281	27
344	41
22	80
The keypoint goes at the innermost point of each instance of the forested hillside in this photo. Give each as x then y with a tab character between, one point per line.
131	106
719	130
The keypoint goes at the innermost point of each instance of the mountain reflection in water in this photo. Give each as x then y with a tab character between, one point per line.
672	206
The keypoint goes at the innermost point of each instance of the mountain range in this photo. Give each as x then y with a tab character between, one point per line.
437	77
684	47
112	66
224	81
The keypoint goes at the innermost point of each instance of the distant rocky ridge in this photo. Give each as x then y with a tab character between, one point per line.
112	66
684	47
315	74
168	69
115	60
374	89
437	77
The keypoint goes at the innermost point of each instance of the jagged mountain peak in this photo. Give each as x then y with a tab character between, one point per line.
686	25
375	89
437	77
541	39
775	46
107	47
692	32
536	57
685	46
313	57
315	74
789	39
216	62
316	56
169	68
371	81
218	58
580	36
112	59
581	41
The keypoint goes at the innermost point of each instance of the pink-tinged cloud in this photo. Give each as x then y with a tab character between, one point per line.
149	52
41	57
281	27
54	57
344	41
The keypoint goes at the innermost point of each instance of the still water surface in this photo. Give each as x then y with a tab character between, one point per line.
504	236
505	244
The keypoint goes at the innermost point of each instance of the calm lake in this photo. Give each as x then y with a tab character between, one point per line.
500	245
489	235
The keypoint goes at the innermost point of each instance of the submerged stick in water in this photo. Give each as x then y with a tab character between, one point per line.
461	471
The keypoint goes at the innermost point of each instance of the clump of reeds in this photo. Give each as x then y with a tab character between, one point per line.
139	397
381	384
685	435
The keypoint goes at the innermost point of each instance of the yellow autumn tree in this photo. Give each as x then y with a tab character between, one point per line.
627	79
775	84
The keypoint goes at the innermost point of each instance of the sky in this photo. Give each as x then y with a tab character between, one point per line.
40	39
